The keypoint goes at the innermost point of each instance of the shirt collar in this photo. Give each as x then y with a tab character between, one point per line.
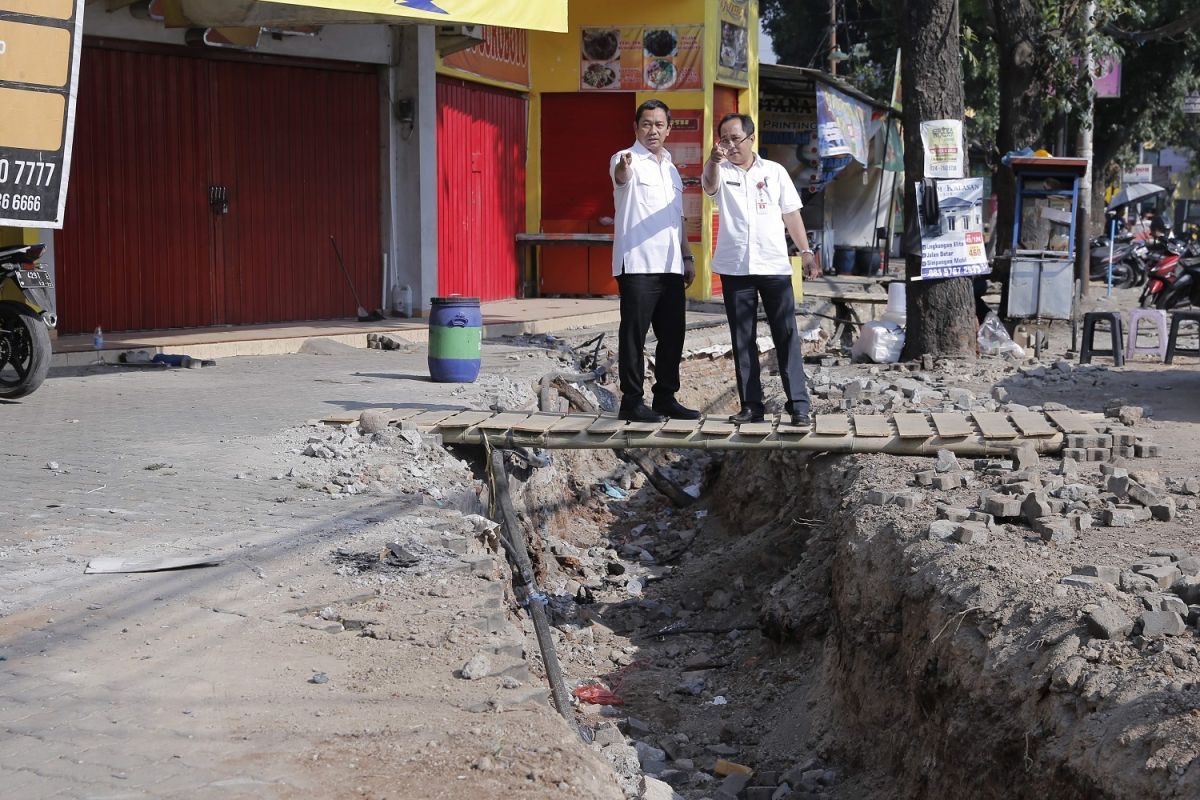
641	151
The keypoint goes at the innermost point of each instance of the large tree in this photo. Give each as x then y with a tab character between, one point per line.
941	318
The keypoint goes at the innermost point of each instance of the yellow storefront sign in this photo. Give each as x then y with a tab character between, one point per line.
544	15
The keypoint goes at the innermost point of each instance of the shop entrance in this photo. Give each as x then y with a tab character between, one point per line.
580	132
204	191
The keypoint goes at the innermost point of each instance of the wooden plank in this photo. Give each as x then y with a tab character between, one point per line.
1030	423
763	428
573	423
464	419
1070	421
994	425
537	423
685	426
952	426
428	419
645	427
341	419
401	414
713	427
871	426
606	425
502	422
832	425
912	426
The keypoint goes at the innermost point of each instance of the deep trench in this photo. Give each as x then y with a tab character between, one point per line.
847	667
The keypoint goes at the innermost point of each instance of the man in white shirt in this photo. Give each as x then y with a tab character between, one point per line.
758	201
653	264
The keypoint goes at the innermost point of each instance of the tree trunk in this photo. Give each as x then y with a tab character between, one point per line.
941	314
1018	27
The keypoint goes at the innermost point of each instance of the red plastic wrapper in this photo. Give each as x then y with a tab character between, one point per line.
598	695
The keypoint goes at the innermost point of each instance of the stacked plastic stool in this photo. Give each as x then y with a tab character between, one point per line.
1156	317
1113	318
1177	318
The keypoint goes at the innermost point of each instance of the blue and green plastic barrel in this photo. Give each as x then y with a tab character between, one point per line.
455	339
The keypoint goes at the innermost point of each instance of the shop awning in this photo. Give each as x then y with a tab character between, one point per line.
544	15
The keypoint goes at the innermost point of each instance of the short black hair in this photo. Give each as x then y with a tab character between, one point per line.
649	104
747	122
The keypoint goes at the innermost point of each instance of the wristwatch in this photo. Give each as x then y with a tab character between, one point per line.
689	258
808	251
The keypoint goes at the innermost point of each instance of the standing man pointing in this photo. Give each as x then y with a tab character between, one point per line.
758	201
653	264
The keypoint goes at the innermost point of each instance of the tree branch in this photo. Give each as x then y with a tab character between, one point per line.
1181	25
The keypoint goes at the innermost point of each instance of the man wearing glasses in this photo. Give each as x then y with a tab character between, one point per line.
757	202
653	264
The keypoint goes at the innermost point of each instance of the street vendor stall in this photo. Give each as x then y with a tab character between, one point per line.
1042	285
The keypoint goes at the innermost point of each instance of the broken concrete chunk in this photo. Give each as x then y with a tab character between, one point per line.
1145	450
1173	553
1146	495
878	497
1163	511
946	462
1170	602
1189	565
480	666
1000	505
1105	573
1162	576
1117	517
906	500
1026	455
1132	582
948	481
1084	582
1036	505
1108	621
1157	624
941	530
970	533
1054	530
952	513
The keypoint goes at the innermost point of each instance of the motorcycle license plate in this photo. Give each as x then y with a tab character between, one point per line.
33	279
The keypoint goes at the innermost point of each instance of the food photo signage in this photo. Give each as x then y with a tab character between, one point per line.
39	69
733	59
647	59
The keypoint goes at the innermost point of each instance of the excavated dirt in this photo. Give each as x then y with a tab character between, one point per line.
828	645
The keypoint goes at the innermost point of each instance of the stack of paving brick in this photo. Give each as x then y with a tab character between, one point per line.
1166	584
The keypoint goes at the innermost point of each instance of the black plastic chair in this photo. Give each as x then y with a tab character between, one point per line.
1177	318
1116	331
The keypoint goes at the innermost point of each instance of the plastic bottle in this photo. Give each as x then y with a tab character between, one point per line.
98	339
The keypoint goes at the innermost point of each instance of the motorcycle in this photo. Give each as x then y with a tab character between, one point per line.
1161	272
1184	289
26	317
1127	267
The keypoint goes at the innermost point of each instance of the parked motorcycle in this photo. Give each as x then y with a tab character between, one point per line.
1184	288
1127	267
26	316
1162	268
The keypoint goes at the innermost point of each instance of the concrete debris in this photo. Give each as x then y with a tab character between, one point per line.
946	462
1157	624
480	666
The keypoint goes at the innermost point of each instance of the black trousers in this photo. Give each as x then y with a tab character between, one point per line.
650	301
742	294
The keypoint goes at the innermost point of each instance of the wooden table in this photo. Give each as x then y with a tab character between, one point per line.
528	243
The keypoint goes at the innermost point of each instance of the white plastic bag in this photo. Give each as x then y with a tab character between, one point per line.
880	341
994	340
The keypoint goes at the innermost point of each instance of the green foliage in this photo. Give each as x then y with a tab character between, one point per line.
1157	74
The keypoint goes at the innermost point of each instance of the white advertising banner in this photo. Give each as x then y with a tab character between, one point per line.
942	140
952	245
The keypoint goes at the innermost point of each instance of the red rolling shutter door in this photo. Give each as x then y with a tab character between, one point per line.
481	188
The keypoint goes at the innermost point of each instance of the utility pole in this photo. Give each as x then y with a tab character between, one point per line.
1084	145
833	47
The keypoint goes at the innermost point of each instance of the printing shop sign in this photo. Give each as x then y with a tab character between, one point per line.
39	70
952	245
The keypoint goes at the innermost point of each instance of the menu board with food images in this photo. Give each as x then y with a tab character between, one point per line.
641	59
734	55
686	146
39	64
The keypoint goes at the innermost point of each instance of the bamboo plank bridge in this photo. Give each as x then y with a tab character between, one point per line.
972	434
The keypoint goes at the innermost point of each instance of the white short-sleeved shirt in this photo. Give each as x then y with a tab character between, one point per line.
648	226
751	239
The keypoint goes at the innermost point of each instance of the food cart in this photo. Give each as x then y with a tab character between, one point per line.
1042	284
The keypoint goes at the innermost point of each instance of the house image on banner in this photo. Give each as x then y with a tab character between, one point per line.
959	213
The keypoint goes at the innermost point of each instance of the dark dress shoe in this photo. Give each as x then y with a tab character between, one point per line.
675	410
746	415
801	421
640	413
